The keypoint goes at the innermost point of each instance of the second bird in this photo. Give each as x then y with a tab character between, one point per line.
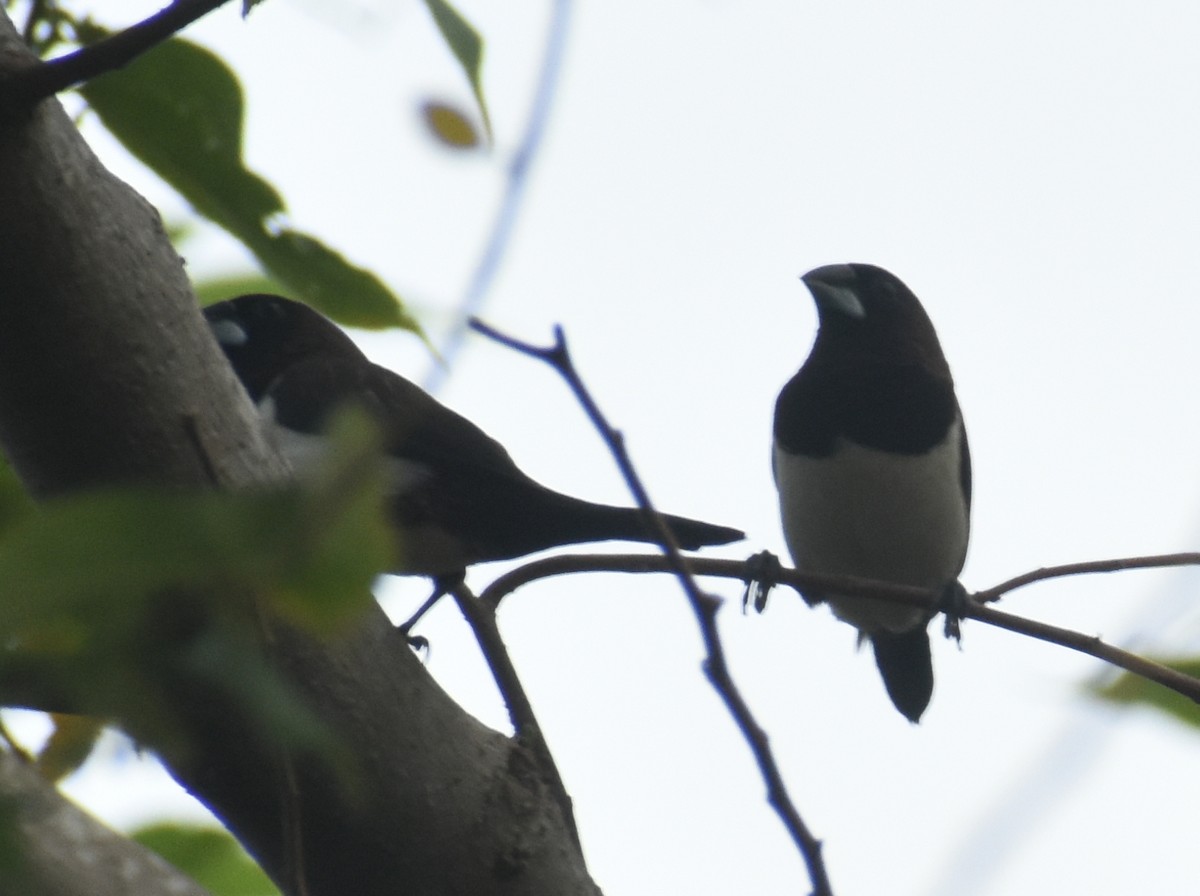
456	497
872	467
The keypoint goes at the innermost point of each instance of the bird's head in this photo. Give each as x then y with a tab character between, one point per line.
867	310
263	335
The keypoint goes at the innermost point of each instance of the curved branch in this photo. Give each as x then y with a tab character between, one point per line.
45	79
481	618
41	821
741	570
1180	683
1118	564
975	608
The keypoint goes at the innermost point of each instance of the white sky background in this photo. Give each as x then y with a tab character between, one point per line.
1028	168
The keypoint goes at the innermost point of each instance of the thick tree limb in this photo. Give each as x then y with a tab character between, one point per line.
108	374
66	852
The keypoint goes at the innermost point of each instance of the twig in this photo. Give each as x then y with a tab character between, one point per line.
975	607
1180	683
515	189
38	82
1154	561
482	620
704	607
567	564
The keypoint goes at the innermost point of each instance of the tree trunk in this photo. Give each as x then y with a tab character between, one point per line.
108	375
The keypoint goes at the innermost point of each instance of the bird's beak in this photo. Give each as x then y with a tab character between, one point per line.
834	289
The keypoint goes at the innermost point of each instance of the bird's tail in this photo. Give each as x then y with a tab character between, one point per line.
583	521
905	663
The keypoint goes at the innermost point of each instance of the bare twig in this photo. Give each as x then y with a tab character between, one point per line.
1180	683
482	620
704	607
1154	561
975	608
567	564
45	79
515	189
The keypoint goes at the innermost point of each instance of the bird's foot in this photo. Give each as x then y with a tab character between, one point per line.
442	585
762	574
953	604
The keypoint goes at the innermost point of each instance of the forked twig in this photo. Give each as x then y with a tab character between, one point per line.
45	79
975	607
704	606
481	618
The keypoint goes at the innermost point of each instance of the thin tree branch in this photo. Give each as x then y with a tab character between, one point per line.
704	606
43	80
975	607
482	619
1180	683
519	169
1154	561
567	564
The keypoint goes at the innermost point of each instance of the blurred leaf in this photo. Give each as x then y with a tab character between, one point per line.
466	44
69	745
449	126
46	27
15	503
341	528
229	661
1134	690
218	289
350	295
179	109
210	856
111	595
179	232
106	550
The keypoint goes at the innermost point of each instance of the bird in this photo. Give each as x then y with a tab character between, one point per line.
872	466
456	497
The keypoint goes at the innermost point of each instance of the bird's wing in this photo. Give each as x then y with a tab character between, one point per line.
414	425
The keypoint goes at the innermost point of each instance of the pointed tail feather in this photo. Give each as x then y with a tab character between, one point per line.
693	534
567	520
905	663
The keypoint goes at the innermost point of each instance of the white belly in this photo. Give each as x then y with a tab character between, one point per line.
866	513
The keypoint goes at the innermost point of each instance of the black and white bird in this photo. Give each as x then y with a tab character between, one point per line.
457	498
872	467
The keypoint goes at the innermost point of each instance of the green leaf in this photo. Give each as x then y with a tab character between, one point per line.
217	289
15	503
179	109
313	546
340	528
210	856
111	596
315	273
466	44
1128	689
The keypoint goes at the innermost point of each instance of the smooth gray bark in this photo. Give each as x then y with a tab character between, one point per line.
107	374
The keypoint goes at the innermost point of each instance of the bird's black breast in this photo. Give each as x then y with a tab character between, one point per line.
901	409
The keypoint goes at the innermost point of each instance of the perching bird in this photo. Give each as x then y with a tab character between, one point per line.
872	467
456	497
